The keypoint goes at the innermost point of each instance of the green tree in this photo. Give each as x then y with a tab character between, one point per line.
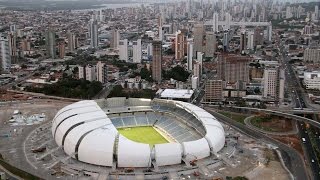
146	74
178	73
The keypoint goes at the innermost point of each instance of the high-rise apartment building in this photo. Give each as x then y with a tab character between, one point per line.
225	41
93	33
316	12
250	42
115	37
198	34
160	28
213	90
90	72
233	68
82	72
180	45
243	41
258	36
51	44
311	55
288	12
156	61
5	59
62	49
137	51
71	42
13	47
273	84
189	54
123	50
102	72
197	71
200	57
210	44
215	27
26	45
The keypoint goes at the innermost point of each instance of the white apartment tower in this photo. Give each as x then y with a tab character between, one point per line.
189	54
137	51
215	27
250	42
102	72
273	84
123	50
90	73
5	59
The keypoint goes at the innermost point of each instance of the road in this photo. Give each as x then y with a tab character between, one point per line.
297	95
291	157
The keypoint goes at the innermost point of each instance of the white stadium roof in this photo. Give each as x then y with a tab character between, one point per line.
86	133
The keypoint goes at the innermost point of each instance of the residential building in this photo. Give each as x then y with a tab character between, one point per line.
90	72
250	40
225	41
311	55
137	51
215	27
312	80
82	72
156	60
258	36
198	33
197	69
213	90
233	68
189	54
51	44
194	82
307	30
288	12
5	59
71	42
123	50
61	48
102	72
26	45
199	61
179	45
210	44
13	47
243	41
160	28
94	41
273	84
115	38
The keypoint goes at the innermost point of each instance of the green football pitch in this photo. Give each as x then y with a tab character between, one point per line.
147	135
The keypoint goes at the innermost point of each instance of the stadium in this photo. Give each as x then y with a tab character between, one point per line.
137	133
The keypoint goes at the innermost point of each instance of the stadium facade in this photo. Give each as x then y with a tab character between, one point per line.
87	131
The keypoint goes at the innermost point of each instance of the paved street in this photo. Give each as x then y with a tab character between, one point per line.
292	159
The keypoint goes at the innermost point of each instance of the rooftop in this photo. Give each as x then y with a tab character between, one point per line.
176	93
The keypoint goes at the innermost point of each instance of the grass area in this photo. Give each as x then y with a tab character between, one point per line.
16	171
235	116
271	123
257	121
146	134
